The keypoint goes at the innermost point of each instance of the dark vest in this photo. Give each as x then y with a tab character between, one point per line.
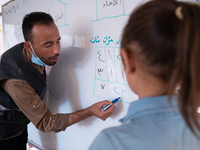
13	65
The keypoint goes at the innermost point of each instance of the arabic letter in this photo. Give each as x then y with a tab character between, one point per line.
93	41
97	40
105	39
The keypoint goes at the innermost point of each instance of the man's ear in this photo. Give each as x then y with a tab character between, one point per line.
28	47
129	61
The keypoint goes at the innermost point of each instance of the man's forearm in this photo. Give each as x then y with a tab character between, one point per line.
94	110
78	116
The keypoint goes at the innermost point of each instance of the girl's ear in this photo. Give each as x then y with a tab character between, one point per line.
129	61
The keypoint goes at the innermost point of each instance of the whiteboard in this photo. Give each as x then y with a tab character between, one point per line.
89	68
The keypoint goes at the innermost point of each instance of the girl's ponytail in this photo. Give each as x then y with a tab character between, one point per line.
188	56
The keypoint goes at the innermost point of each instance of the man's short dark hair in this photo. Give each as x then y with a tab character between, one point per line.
32	19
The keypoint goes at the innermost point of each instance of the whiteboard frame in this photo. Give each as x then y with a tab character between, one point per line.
7	3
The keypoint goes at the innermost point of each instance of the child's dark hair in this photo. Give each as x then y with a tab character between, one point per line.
32	19
168	34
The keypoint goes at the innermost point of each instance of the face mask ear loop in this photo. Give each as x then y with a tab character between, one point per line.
32	49
35	53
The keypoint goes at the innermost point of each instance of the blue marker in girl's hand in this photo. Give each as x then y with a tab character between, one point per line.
109	105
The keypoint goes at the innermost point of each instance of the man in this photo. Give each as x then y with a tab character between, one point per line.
23	85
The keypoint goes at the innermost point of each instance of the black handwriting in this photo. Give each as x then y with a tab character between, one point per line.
12	9
99	52
99	70
115	2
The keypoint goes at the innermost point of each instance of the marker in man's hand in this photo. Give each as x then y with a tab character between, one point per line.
109	105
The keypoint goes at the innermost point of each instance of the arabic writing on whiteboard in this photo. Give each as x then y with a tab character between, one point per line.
109	9
59	15
107	40
12	9
112	3
109	75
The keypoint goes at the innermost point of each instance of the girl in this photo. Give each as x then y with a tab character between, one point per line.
160	48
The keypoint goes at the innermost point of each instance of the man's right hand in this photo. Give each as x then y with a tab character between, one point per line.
95	109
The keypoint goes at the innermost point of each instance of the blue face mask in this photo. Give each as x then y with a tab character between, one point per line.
35	59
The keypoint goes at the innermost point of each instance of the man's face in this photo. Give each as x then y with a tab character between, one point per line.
46	43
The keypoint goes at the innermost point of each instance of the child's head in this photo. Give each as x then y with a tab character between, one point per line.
164	35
